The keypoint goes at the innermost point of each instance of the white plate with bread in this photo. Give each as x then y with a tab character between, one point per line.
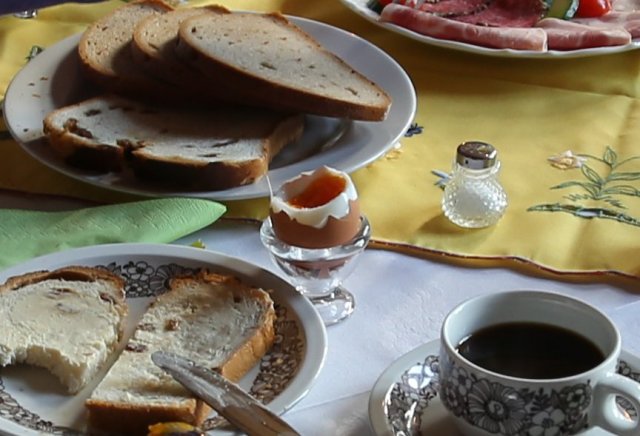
57	78
93	315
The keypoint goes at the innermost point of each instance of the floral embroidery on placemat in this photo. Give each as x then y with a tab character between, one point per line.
414	129
605	183
33	52
396	151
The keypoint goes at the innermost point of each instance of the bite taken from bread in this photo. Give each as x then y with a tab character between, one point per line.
68	321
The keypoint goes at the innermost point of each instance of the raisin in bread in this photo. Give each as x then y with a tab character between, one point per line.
214	320
209	150
105	53
68	321
266	60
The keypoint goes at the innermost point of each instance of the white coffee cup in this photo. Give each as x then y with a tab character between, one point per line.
483	402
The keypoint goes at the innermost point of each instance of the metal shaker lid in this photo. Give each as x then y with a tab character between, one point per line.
476	155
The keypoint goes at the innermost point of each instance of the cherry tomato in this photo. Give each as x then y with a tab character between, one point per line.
593	8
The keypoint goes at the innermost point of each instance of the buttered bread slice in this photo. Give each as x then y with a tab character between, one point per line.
214	320
68	321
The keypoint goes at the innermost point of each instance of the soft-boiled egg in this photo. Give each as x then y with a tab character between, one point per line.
317	209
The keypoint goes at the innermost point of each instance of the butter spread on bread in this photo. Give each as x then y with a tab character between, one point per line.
200	149
214	320
266	60
68	321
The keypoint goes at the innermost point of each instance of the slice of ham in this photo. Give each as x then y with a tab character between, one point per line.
453	8
425	23
626	5
496	17
505	13
567	35
630	21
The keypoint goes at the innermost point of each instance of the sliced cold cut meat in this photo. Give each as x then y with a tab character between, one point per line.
517	38
496	13
566	35
453	8
630	21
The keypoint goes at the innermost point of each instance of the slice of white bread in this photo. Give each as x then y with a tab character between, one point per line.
209	150
214	320
153	47
67	321
105	54
266	60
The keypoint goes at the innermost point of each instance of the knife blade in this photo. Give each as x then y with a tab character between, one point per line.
224	396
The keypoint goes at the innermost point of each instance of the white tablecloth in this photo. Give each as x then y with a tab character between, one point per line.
400	304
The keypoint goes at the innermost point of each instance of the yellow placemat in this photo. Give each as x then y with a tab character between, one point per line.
575	220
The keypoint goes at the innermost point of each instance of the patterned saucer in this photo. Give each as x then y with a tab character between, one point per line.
404	400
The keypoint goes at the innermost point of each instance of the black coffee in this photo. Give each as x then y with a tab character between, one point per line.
530	350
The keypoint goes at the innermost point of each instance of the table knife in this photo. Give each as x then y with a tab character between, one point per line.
224	396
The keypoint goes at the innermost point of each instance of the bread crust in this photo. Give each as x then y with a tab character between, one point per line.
251	88
73	272
80	273
161	61
76	273
69	131
125	418
78	150
133	81
217	175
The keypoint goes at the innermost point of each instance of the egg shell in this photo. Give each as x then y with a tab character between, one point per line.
336	231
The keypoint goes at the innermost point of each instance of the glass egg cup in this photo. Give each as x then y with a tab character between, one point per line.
317	273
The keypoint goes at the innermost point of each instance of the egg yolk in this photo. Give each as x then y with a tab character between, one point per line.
320	191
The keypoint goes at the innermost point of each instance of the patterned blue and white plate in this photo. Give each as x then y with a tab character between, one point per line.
33	402
404	400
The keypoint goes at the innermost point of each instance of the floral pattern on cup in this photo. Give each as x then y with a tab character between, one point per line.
504	410
418	386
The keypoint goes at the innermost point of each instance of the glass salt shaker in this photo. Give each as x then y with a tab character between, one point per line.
473	196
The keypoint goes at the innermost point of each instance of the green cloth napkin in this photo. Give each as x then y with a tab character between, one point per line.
25	234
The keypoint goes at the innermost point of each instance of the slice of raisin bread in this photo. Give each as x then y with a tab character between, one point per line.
197	149
215	320
105	54
153	48
267	60
68	321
